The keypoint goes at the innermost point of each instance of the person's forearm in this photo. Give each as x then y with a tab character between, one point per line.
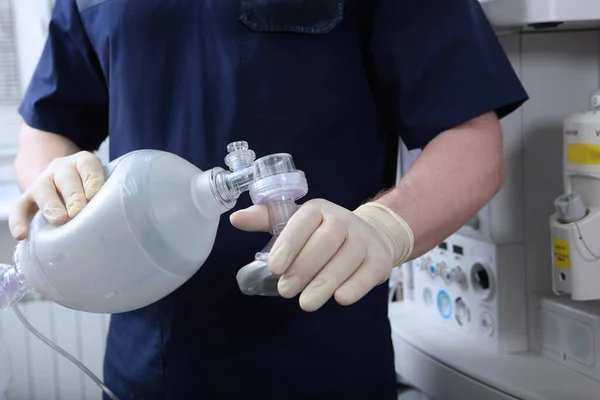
36	150
455	175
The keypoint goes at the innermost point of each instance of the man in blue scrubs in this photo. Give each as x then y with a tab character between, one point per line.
334	83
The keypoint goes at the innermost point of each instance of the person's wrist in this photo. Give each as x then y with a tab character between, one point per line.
395	233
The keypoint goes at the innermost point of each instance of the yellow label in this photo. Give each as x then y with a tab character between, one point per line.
583	153
561	253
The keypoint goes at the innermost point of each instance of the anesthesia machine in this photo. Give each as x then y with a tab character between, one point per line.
507	307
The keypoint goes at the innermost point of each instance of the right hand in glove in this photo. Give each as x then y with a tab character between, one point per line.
60	192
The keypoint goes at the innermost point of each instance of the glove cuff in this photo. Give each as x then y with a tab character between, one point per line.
393	229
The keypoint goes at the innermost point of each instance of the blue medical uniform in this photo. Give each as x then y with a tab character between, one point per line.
334	83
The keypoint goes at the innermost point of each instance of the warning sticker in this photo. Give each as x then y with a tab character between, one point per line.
561	253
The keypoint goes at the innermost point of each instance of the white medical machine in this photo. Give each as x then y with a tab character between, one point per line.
506	308
575	227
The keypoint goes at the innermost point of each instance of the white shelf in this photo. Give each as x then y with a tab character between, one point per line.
542	14
524	376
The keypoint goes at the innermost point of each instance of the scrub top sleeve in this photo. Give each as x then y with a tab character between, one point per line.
438	64
67	94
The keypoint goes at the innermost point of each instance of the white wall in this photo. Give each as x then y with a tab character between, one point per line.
31	19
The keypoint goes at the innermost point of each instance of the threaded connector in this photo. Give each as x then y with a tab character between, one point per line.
239	157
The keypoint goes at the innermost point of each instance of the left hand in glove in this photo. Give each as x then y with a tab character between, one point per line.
326	250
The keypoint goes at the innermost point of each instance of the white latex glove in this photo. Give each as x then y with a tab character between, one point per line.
60	192
326	250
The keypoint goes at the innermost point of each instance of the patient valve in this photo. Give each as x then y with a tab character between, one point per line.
277	184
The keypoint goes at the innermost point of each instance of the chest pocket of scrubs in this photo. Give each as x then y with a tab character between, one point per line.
299	16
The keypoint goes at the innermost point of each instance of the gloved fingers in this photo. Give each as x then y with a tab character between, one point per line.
318	250
45	195
294	237
77	178
251	219
343	264
20	214
369	274
70	187
90	169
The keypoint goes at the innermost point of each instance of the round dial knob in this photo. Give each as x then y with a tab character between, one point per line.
446	274
486	323
459	275
482	279
463	314
444	304
434	269
450	275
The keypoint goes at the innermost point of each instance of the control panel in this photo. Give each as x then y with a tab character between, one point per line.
455	286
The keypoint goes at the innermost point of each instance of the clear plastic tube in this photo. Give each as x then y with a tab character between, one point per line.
280	208
63	353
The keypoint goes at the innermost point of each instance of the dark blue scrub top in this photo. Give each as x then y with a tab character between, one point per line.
334	83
